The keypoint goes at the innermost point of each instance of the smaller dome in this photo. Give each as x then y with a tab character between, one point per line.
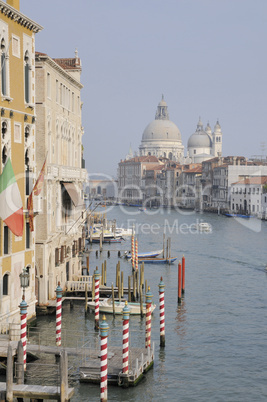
162	102
199	139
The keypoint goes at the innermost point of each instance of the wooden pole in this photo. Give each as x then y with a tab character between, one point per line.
119	288
105	273
20	369
63	375
102	274
86	298
93	286
163	245
146	286
129	289
122	290
134	287
87	264
143	275
137	284
113	301
9	375
141	302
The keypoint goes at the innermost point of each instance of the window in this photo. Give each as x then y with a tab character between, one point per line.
28	235
27	78
57	91
17	133
3	68
5	285
6	240
15	46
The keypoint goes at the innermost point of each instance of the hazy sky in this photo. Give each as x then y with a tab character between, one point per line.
208	58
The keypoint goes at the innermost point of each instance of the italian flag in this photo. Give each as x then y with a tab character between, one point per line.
11	209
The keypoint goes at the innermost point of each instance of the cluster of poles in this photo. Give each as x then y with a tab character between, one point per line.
103	326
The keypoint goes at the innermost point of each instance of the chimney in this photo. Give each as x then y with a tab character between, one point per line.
13	3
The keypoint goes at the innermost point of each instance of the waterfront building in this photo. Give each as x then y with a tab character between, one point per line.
18	142
161	137
59	131
188	195
203	144
249	196
131	177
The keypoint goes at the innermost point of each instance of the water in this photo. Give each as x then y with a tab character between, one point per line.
216	343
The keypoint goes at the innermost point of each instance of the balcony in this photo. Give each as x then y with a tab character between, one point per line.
67	173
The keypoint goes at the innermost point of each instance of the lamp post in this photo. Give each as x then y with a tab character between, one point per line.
24	282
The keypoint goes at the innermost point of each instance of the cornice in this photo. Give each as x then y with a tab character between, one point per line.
46	59
18	17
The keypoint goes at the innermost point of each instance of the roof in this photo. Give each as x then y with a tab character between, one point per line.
20	18
197	169
259	180
148	158
69	63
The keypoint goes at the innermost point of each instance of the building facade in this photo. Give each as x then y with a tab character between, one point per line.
249	196
59	131
18	142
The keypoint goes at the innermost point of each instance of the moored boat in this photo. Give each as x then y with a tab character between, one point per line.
150	254
157	260
106	306
202	226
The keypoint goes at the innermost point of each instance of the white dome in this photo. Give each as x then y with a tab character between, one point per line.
199	139
161	130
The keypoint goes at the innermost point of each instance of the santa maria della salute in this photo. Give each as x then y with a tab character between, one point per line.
162	138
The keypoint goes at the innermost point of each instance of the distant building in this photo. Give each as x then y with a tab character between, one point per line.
59	131
161	137
203	144
17	141
249	196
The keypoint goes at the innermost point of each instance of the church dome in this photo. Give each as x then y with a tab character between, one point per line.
200	139
164	130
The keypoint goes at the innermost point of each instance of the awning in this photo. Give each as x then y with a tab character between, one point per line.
73	193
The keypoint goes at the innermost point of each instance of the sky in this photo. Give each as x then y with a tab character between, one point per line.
208	58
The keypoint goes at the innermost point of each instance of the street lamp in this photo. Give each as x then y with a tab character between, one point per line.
24	280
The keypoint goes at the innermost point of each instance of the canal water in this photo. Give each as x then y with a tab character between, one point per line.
216	344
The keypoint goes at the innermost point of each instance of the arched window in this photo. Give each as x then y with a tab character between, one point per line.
5	285
4	129
3	68
27	76
4	155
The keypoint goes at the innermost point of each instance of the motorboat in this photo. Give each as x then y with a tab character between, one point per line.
202	227
150	254
106	306
157	260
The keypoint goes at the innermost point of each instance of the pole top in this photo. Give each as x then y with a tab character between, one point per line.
161	285
126	312
59	291
148	295
97	275
103	327
23	306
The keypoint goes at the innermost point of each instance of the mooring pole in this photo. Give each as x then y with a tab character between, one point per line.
58	314
104	360
148	317
97	277
162	312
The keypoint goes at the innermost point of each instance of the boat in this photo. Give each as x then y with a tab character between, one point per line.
105	306
150	254
238	216
156	260
141	209
106	240
202	226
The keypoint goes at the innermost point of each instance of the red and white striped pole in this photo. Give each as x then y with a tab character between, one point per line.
125	338
132	253
148	317
136	255
58	314
97	280
162	312
23	328
183	275
104	360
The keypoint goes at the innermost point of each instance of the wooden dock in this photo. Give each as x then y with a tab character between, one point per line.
140	361
36	391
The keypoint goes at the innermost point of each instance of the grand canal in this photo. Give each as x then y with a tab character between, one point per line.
216	341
